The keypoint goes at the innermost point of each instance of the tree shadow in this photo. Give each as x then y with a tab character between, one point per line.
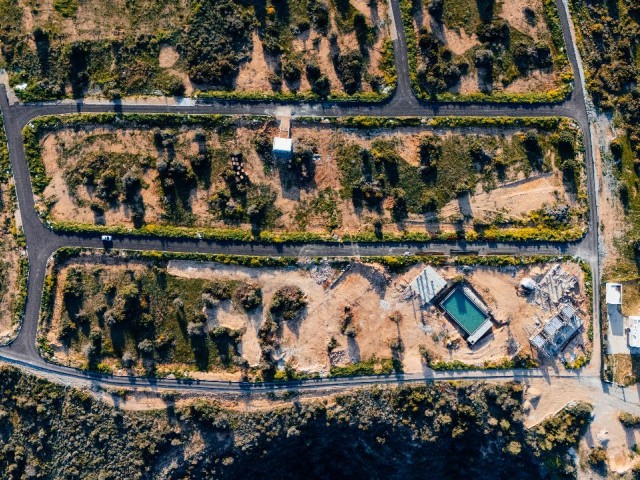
201	352
486	9
117	335
353	350
294	324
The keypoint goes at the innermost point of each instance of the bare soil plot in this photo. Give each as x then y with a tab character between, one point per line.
13	262
59	48
12	274
338	181
214	320
493	48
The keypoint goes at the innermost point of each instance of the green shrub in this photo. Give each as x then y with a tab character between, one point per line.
223	32
629	420
287	302
249	297
66	8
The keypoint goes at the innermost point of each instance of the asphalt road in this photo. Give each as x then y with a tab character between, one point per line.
42	242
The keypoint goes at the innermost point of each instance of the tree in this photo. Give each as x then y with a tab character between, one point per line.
483	58
349	67
287	302
146	347
195	329
247	296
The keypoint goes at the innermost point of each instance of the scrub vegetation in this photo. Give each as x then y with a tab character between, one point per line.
449	429
229	48
486	50
349	179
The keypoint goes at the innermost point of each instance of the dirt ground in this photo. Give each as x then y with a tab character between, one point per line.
9	271
512	198
611	216
100	20
515	199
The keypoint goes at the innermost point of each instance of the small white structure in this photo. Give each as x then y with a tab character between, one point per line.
427	285
614	294
528	284
282	146
634	332
480	332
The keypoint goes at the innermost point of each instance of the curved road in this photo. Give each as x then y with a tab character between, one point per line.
42	242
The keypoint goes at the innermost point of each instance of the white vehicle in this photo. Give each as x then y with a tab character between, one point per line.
106	238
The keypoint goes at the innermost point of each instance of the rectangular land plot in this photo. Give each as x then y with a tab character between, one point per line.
367	179
242	49
259	318
14	266
496	51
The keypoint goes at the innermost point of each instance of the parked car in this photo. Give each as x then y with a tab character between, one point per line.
107	239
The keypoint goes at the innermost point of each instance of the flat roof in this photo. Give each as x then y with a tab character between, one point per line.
552	327
464	311
538	341
428	284
614	294
568	312
634	332
282	144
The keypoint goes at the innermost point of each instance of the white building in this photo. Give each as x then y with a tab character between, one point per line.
634	332
614	294
427	285
282	146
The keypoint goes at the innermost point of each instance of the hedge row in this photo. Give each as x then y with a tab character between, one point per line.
254	261
368	97
397	263
543	123
17	313
5	166
520	360
511	234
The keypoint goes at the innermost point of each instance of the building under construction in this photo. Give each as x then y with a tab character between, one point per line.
556	333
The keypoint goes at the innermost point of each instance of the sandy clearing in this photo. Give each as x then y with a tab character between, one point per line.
513	12
168	56
513	200
535	81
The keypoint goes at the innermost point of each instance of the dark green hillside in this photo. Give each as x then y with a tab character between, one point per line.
444	431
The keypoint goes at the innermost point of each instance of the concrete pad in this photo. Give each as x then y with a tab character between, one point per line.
616	336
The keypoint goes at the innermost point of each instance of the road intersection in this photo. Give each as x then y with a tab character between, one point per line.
43	242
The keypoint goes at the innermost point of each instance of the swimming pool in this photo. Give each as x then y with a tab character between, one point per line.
464	311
